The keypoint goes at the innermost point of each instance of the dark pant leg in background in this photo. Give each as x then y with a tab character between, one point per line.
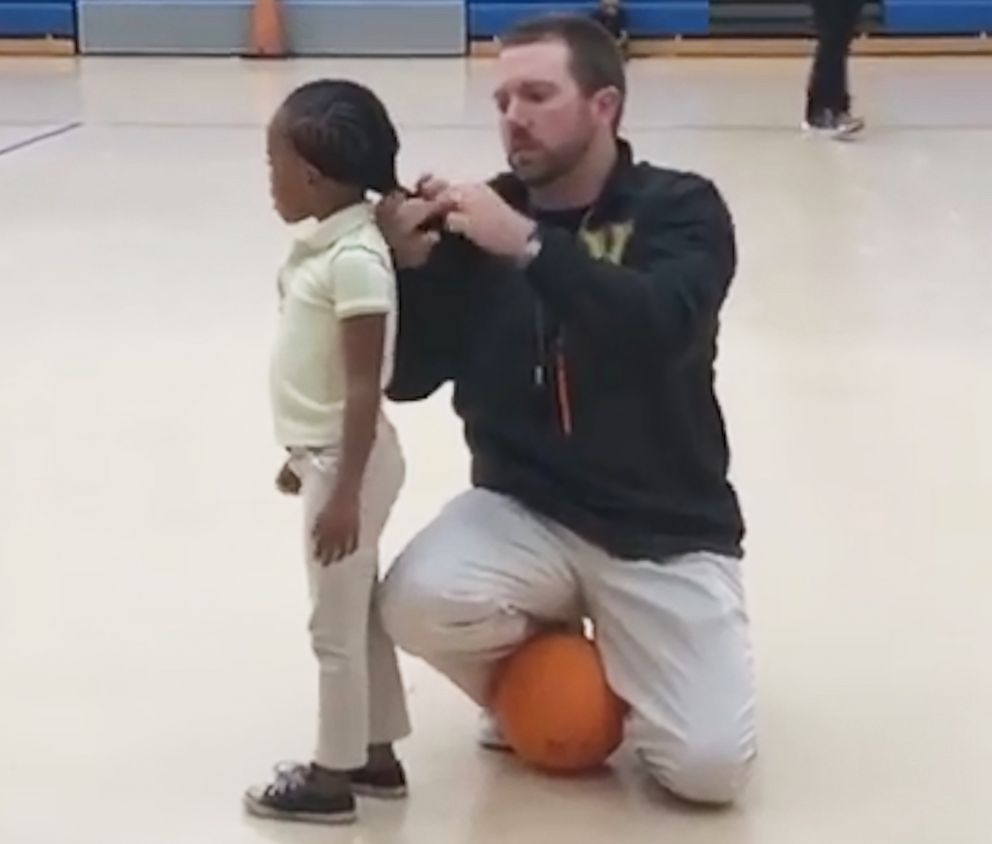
836	26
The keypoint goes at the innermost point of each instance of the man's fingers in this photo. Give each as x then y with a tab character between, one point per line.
430	187
463	195
389	206
413	213
391	200
457	223
452	197
398	213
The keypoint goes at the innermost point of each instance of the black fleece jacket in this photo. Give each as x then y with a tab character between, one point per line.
585	382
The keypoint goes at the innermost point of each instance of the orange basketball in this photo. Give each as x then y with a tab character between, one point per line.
554	706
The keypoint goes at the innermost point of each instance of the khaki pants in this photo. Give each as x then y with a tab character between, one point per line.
674	639
360	692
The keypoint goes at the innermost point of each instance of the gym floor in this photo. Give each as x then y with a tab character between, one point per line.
152	604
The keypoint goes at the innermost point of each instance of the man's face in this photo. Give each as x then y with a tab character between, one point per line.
546	121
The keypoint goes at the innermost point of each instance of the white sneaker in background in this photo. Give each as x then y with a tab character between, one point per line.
839	127
490	736
847	126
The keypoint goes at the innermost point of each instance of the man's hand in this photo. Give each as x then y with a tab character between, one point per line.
400	219
335	534
430	187
287	481
480	214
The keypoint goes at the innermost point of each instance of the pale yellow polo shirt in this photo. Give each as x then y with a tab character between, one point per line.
338	268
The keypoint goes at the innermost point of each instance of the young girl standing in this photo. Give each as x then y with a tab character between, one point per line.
329	144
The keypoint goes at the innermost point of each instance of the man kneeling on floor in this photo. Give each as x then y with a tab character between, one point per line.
574	302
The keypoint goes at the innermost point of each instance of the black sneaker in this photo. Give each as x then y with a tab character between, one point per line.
292	796
388	782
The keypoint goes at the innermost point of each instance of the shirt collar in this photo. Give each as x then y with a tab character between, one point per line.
620	186
318	235
612	201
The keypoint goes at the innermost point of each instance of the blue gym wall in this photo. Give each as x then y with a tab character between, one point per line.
647	17
389	27
32	18
947	17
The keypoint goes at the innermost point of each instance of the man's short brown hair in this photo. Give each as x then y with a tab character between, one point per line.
596	61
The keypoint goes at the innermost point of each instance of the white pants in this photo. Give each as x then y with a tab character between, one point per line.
674	639
361	699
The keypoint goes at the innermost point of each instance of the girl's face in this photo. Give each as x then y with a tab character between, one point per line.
292	181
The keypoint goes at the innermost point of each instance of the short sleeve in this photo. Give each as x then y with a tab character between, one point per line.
363	282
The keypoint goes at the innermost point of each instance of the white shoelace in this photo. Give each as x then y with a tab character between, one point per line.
289	776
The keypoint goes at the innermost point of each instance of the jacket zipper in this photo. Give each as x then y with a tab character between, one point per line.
561	385
539	366
557	378
559	364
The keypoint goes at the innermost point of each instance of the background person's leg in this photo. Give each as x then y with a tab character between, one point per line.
828	99
849	16
827	73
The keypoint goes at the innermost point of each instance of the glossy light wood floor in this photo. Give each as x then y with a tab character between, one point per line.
153	657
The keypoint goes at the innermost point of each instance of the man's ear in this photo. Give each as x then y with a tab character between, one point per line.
608	104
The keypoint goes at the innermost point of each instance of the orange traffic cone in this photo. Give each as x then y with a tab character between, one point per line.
266	29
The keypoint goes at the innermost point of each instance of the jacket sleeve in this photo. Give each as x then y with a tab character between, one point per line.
432	305
670	291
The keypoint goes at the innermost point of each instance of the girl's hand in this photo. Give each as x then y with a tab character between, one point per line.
287	481
335	534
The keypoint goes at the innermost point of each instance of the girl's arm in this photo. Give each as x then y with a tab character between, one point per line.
336	533
363	296
362	340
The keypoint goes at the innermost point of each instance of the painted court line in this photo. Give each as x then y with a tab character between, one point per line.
37	139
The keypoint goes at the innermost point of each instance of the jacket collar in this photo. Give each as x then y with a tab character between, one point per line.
611	203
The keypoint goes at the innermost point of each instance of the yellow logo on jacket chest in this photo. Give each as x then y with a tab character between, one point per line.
608	243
